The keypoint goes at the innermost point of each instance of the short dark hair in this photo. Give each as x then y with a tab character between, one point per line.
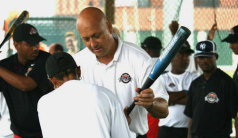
61	75
59	47
152	42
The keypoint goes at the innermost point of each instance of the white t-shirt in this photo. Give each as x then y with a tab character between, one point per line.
4	118
78	109
174	83
127	71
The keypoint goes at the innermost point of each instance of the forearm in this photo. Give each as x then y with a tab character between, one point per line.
177	98
236	126
189	128
159	108
18	81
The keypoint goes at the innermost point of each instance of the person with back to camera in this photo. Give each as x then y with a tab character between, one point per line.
23	81
119	66
76	108
212	101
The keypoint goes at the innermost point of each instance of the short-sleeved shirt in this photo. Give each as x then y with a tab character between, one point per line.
79	109
175	83
127	71
212	104
23	105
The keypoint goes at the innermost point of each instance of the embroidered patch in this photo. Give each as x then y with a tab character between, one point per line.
212	98
125	78
171	85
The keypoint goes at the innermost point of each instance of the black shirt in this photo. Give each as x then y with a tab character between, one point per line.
23	105
211	105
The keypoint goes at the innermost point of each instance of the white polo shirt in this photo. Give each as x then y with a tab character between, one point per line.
127	71
4	118
79	109
174	83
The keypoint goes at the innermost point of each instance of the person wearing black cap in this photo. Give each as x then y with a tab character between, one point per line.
176	83
152	45
212	101
232	39
23	81
76	108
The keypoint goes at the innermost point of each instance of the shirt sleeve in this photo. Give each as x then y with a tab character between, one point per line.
188	108
159	89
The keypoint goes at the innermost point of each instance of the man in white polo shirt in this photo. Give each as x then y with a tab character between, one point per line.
78	109
176	83
119	66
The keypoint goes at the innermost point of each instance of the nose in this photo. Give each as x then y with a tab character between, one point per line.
93	42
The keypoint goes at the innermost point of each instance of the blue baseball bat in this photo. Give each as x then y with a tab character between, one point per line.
179	38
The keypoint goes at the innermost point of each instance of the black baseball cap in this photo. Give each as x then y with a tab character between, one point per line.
59	62
151	43
28	33
233	36
185	48
205	48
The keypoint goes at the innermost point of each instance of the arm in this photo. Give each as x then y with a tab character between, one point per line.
18	81
157	107
177	98
189	128
236	124
212	32
173	27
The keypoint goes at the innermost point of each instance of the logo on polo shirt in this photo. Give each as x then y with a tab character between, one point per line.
29	69
125	78
212	98
171	85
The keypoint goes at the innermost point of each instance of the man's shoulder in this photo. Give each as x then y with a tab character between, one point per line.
133	49
9	60
83	56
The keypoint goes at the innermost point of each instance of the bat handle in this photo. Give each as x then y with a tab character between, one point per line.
146	85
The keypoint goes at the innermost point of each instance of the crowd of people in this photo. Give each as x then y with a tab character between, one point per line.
87	93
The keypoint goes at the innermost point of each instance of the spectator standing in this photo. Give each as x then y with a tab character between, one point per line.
212	101
71	43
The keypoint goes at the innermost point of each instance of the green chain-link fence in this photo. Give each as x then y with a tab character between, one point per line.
137	19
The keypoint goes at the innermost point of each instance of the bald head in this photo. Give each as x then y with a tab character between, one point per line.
91	16
96	32
92	13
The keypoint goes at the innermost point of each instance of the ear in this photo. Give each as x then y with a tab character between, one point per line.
217	56
16	45
79	71
53	81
